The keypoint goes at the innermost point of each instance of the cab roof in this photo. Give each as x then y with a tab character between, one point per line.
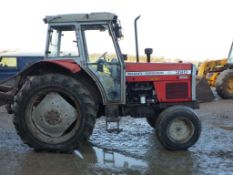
81	17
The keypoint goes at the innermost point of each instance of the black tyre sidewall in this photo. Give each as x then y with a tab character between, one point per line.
24	98
164	121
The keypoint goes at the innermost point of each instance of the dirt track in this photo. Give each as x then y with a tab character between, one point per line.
134	151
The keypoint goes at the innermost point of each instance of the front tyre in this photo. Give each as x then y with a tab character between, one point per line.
54	112
178	128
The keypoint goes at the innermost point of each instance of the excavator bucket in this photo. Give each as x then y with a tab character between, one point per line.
203	90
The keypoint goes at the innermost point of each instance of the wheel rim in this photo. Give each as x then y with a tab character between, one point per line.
53	125
180	130
230	86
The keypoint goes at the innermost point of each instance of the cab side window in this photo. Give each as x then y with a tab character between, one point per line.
62	42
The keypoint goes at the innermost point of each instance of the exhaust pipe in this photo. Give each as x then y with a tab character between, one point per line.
136	37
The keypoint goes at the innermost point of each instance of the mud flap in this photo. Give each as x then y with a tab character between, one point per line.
203	91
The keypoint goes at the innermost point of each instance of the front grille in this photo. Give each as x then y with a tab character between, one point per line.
176	90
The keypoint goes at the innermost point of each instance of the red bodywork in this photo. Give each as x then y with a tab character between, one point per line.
161	74
71	65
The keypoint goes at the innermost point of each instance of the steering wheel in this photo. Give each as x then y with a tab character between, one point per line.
103	56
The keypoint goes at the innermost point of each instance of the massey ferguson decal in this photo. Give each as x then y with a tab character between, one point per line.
153	73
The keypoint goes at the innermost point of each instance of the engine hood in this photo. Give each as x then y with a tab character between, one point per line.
141	67
158	69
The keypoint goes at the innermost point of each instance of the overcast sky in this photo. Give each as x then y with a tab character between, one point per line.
185	29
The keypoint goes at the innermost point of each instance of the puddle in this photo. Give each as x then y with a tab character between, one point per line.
111	158
89	160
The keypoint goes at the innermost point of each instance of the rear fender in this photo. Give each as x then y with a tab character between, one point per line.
67	67
51	66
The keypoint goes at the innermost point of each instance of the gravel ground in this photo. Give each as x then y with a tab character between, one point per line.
135	150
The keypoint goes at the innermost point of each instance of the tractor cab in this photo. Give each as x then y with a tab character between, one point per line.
91	40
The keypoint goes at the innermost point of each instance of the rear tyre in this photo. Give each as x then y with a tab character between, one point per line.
178	128
54	112
224	84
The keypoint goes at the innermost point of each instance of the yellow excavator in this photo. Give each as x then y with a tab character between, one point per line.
218	74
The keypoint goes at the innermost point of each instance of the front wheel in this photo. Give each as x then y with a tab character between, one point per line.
54	112
178	128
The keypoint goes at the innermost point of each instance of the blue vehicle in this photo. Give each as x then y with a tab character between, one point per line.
11	64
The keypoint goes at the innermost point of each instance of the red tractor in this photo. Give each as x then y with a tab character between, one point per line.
56	101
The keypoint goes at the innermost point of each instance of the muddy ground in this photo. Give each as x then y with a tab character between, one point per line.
135	150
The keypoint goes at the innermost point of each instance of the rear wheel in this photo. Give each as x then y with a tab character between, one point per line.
224	84
54	112
178	128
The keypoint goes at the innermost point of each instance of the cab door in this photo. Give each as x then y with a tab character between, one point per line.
104	61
